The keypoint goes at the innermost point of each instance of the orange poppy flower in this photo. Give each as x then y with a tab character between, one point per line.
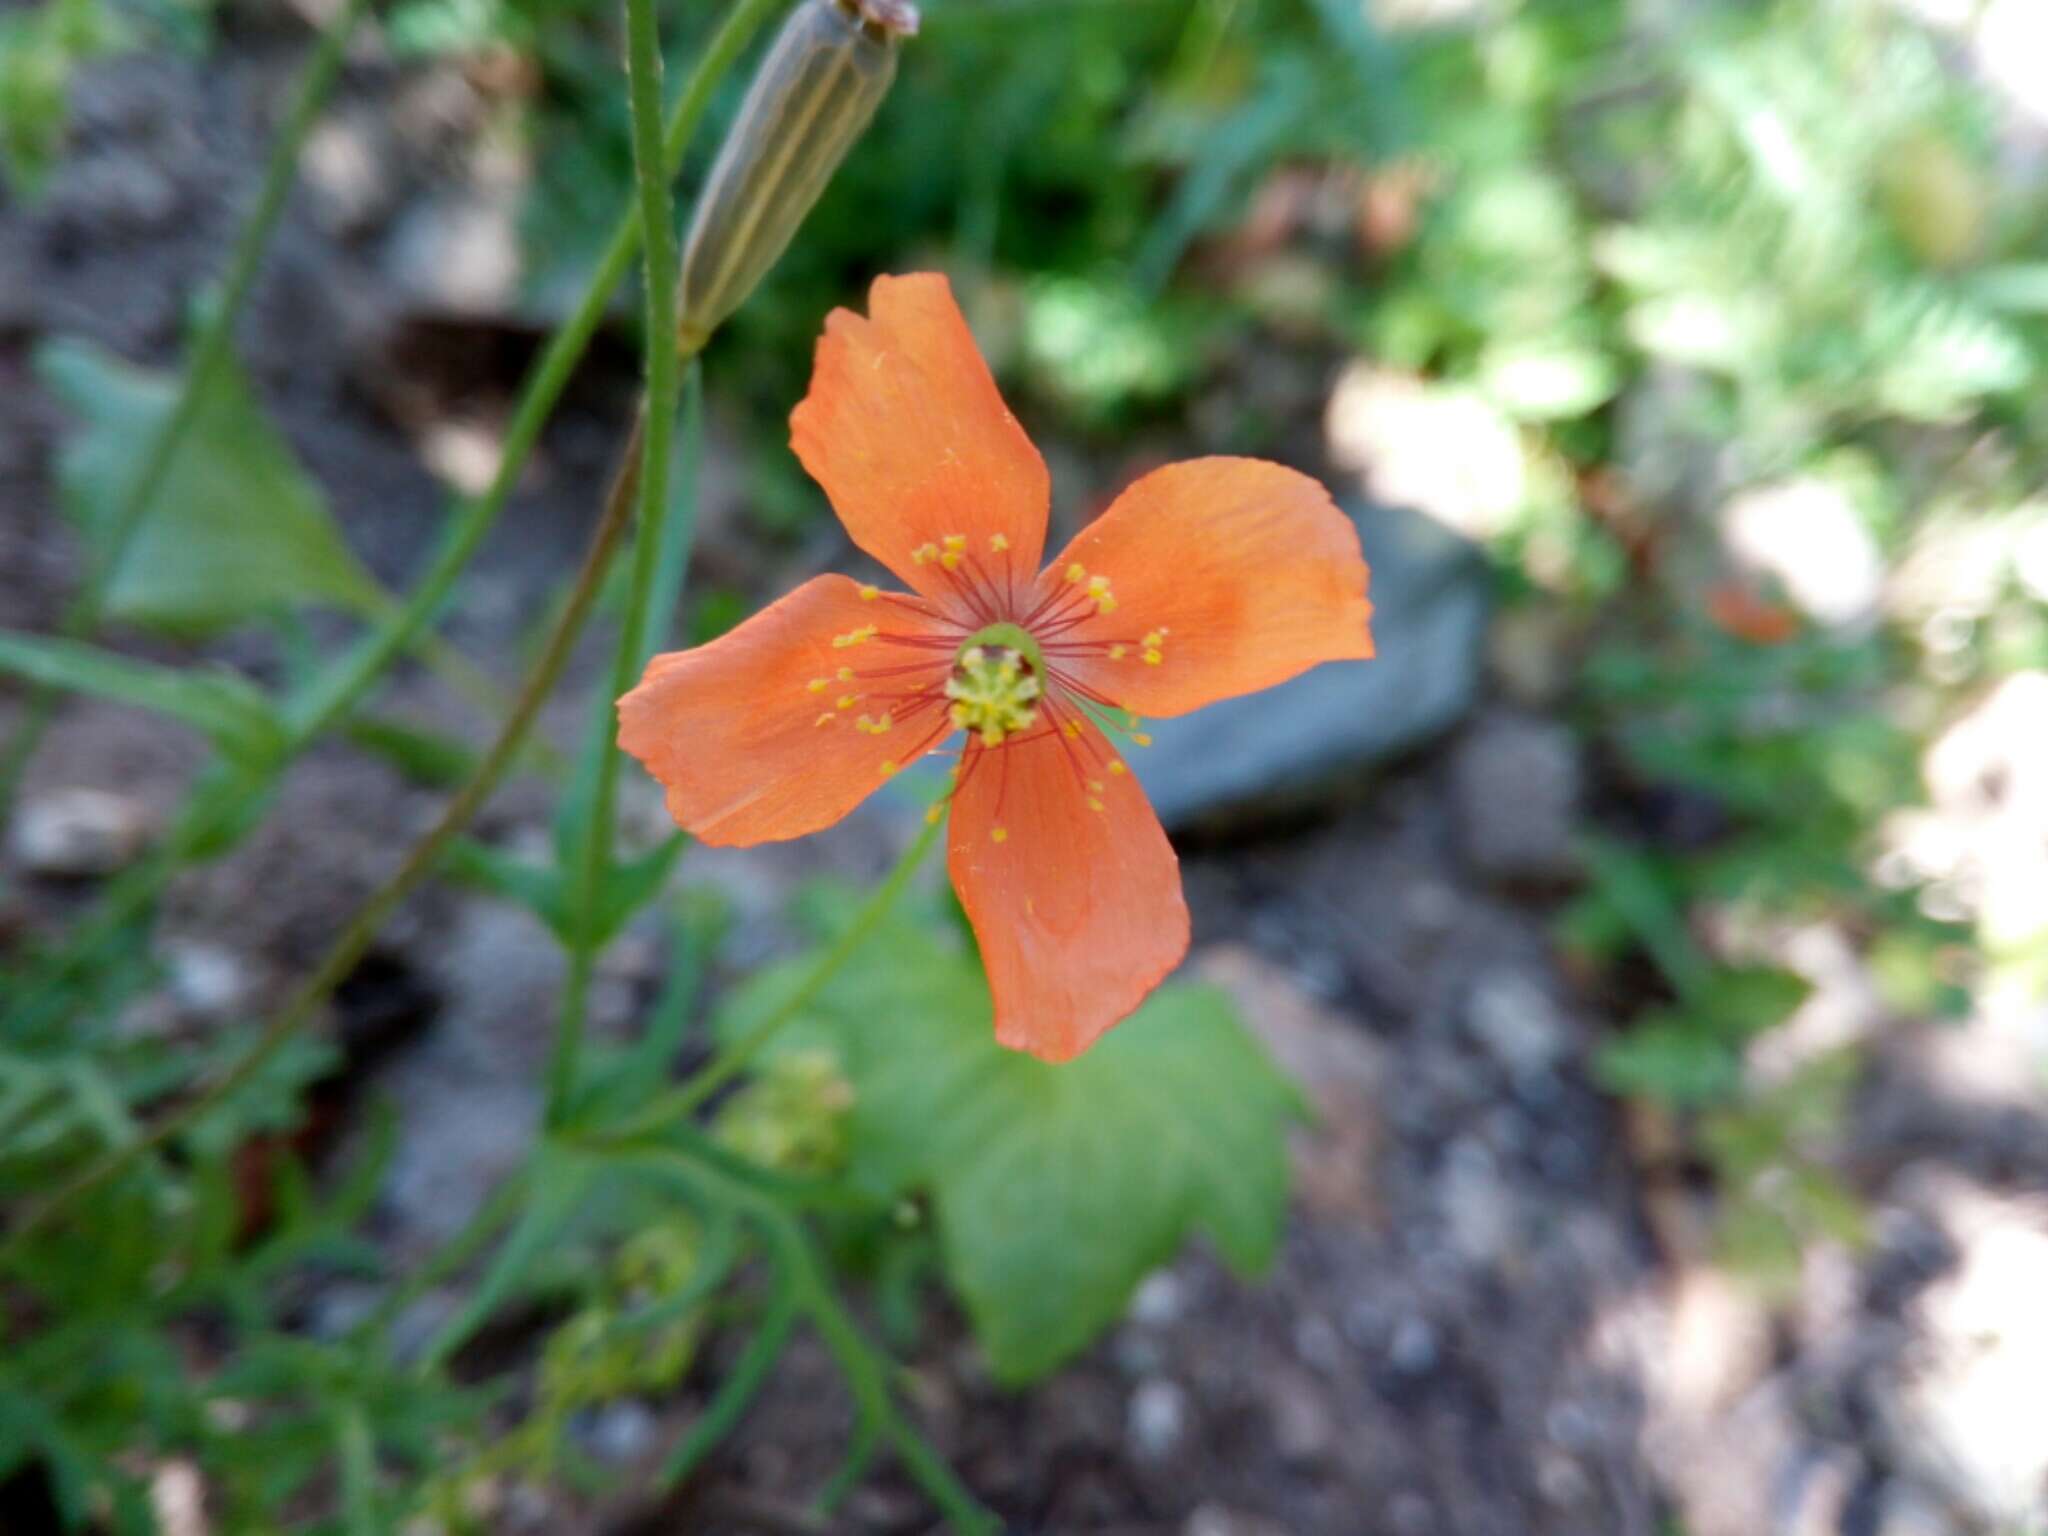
1204	580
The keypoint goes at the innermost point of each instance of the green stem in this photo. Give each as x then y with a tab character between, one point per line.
803	1273
209	348
865	1376
657	220
354	675
348	949
482	1226
742	1384
734	1059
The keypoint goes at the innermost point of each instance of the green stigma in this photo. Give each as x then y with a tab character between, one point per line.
995	684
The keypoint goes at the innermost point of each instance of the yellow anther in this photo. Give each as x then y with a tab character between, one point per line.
1096	785
1076	571
1105	604
1142	739
879	727
1154	640
924	554
846	701
1097	585
1119	652
1116	765
998	542
935	814
1095	804
1154	656
956	541
825	719
993	693
1072	728
819	684
998	834
869	594
950	560
846	674
859	636
886	767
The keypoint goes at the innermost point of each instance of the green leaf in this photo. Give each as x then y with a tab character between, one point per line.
1057	1188
1671	1057
1745	1001
428	758
536	887
557	1193
233	714
234	531
2016	290
629	886
1940	356
1552	379
544	889
40	48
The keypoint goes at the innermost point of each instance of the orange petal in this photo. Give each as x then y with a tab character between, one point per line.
1078	911
905	430
747	745
1246	571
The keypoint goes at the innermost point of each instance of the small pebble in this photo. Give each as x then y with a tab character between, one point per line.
1413	1349
1158	1418
78	833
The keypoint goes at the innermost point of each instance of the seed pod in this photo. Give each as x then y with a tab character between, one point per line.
814	96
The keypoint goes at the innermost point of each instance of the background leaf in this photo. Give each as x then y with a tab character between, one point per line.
235	531
1057	1188
232	713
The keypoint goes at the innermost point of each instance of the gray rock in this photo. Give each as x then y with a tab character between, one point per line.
1513	1016
1478	1206
78	833
1515	787
1161	1301
468	1093
620	1433
1302	1421
116	194
1413	1350
1907	1511
206	981
352	169
459	255
1270	750
1158	1417
1220	1520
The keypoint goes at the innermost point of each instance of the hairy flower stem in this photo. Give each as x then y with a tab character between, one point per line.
209	348
346	951
662	353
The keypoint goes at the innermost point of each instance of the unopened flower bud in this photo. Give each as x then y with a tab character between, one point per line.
814	96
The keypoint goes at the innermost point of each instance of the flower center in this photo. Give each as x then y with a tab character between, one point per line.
995	686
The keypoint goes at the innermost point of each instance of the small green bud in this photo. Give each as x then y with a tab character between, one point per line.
815	94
